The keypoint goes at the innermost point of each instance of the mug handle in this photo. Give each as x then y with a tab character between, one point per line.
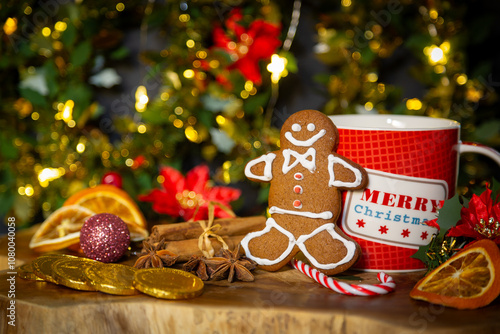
470	147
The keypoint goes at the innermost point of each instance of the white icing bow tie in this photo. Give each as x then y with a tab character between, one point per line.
299	159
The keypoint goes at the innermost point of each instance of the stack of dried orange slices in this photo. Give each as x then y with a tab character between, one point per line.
62	228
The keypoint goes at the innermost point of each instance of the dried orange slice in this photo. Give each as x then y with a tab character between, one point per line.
470	279
106	198
61	229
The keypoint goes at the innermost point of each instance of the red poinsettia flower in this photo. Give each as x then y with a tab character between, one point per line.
481	220
188	197
247	45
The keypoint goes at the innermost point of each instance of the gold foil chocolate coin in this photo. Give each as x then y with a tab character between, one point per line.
26	271
70	272
168	283
42	266
112	278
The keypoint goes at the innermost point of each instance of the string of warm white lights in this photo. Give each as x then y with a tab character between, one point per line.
294	23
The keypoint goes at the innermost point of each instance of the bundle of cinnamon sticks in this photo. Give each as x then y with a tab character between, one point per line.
182	238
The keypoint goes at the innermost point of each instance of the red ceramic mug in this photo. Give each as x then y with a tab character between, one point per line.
412	164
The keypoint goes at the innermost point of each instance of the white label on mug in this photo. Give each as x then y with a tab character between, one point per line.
392	209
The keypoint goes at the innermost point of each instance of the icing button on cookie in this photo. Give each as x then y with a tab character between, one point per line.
298	176
297	189
297	204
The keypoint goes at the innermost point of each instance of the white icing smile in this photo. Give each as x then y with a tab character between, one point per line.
304	143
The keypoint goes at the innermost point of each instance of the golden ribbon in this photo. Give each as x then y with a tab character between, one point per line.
204	243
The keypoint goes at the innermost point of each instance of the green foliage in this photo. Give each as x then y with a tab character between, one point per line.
81	54
54	118
199	90
439	249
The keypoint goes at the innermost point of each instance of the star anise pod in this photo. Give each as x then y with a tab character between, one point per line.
197	265
230	264
154	256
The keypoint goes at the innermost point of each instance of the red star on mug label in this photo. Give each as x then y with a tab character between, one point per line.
405	233
383	229
424	235
361	223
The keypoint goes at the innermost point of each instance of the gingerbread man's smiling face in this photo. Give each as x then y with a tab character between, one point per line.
314	130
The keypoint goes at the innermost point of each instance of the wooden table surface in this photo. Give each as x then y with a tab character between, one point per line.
281	302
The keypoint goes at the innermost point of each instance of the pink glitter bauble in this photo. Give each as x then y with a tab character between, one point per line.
104	237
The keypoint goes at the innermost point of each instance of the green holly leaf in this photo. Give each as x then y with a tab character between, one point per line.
34	97
7	149
421	254
120	53
449	214
495	188
81	54
68	37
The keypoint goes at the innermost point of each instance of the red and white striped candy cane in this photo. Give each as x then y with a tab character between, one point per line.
387	283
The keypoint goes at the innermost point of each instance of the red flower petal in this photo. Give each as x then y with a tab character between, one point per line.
197	178
495	212
223	194
463	230
163	202
478	208
486	198
249	68
433	223
263	48
220	38
231	22
174	180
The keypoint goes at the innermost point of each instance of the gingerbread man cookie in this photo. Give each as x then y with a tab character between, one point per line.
306	177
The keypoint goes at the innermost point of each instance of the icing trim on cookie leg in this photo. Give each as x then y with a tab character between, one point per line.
330	228
320	215
270	223
337	183
304	143
268	173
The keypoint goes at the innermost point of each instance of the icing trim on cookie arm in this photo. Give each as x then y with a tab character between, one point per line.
338	183
330	228
270	223
321	215
268	173
304	143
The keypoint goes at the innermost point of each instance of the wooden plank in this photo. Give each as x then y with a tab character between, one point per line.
281	302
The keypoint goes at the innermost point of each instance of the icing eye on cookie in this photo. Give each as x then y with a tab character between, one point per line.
311	127
296	127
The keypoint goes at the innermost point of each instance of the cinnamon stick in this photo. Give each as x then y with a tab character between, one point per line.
192	230
187	248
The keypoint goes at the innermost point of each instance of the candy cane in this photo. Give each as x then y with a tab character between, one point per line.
387	285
